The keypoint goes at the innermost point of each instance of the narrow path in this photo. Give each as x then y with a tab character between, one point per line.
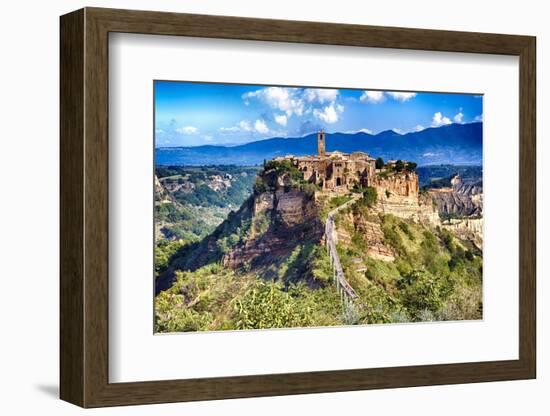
342	285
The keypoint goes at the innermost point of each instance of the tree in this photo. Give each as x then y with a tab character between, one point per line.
411	166
399	165
379	163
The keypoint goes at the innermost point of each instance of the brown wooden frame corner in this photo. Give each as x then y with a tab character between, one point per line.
84	207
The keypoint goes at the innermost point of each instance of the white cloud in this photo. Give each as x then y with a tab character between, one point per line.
478	117
398	131
261	127
287	100
281	119
329	114
159	131
373	97
245	125
401	96
418	127
322	103
429	154
440	120
320	95
187	130
207	138
458	117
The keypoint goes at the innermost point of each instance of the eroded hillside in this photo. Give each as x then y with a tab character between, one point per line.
266	264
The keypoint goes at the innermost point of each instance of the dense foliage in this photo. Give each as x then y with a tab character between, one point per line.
193	202
435	276
215	298
276	171
210	186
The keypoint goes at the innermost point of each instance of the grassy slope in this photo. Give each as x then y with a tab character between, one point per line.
435	276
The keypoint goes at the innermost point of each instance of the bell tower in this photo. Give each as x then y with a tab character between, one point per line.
321	143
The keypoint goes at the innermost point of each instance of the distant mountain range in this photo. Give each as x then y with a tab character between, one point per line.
451	144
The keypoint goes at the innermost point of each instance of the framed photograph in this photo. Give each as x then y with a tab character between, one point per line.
255	207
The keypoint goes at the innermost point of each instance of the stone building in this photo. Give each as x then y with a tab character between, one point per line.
335	171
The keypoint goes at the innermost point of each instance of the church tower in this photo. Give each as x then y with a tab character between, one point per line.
321	143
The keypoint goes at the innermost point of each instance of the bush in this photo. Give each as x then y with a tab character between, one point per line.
370	196
321	268
268	306
420	291
164	251
399	166
379	163
411	166
394	239
284	167
406	229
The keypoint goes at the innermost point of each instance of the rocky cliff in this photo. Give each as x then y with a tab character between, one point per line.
462	199
281	219
467	228
398	194
280	216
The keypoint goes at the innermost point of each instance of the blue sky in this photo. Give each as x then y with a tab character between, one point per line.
194	114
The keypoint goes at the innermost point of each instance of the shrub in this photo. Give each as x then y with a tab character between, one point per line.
164	251
285	167
321	269
406	229
268	306
394	239
420	291
370	196
411	166
379	163
350	315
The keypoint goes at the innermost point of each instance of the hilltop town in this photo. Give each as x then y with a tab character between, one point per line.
337	238
395	182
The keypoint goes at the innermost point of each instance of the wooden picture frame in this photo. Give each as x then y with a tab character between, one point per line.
84	207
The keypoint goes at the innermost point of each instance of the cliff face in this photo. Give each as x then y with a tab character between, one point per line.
398	194
161	194
281	219
370	230
460	200
403	184
467	228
